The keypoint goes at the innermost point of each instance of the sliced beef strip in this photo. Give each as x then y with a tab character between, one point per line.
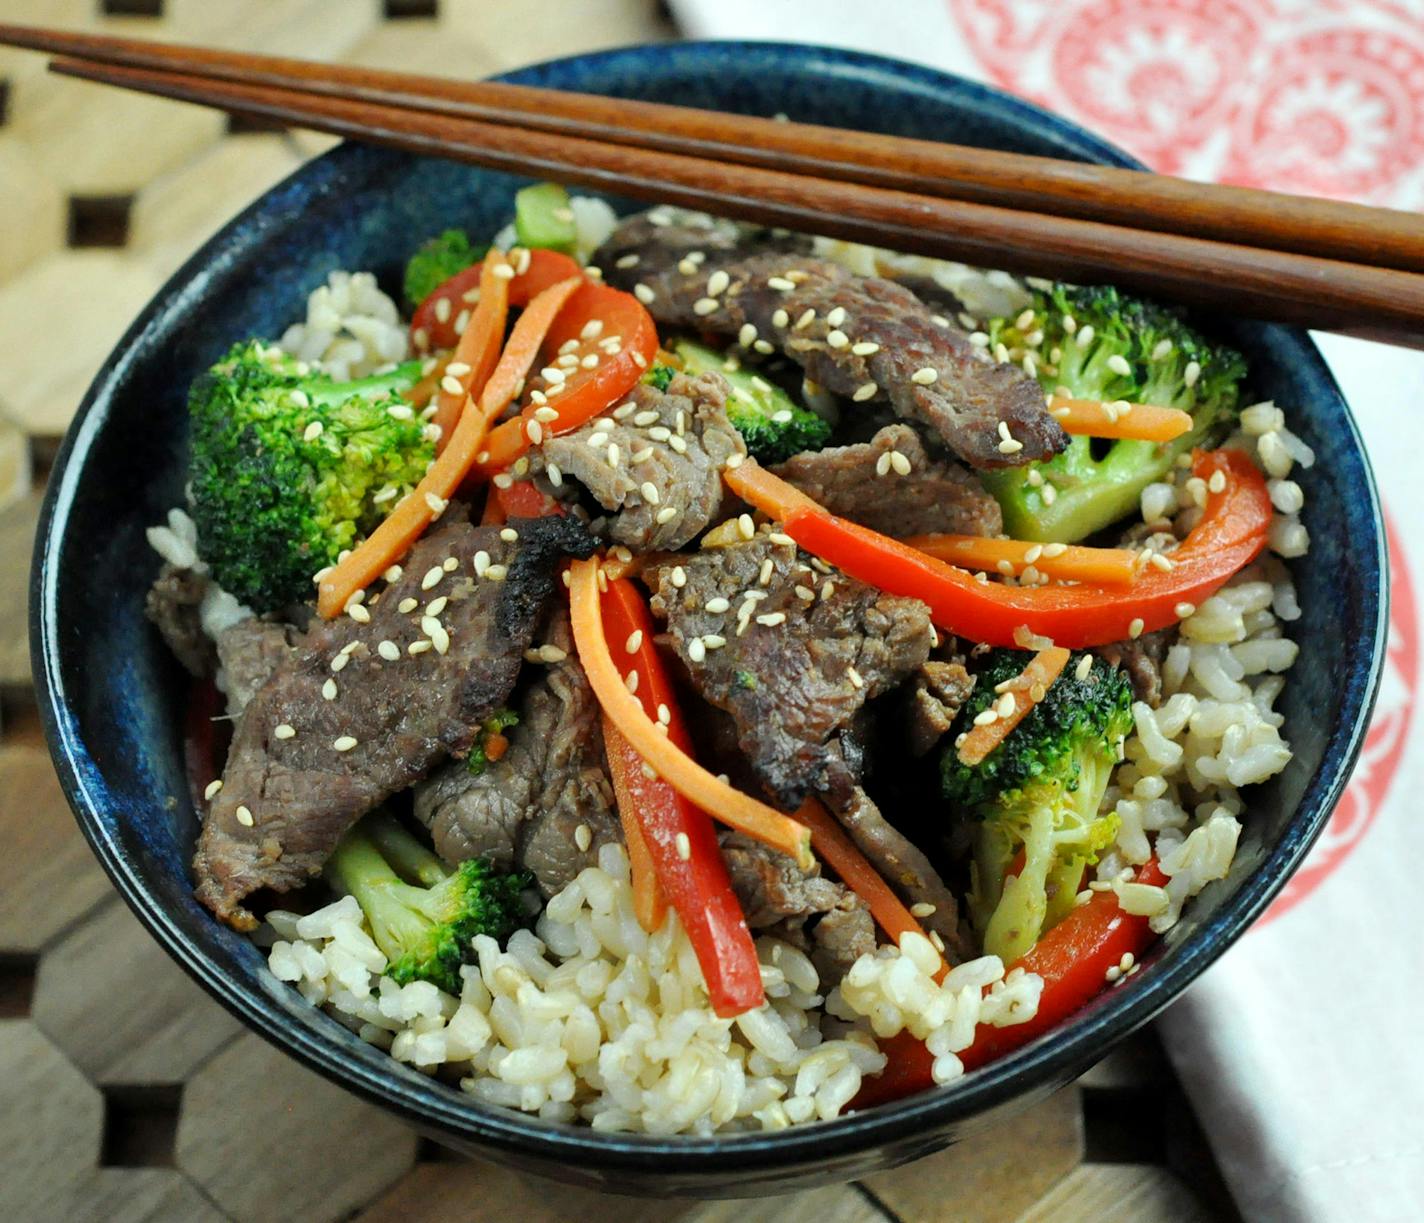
900	862
971	397
817	914
286	801
932	701
674	442
526	808
933	496
248	654
173	604
800	656
1142	660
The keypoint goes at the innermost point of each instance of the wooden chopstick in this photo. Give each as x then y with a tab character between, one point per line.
1376	303
1268	220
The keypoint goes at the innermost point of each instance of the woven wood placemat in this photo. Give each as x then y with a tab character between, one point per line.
125	1093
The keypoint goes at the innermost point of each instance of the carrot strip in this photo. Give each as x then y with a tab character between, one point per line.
680	771
1067	562
478	349
772	495
839	852
495	747
1027	690
1141	422
424	391
650	903
390	541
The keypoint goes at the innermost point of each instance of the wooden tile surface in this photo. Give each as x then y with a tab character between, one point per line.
125	1094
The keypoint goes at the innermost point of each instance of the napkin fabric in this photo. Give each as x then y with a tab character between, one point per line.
1303	1048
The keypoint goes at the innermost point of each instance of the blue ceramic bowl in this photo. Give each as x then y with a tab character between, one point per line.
112	699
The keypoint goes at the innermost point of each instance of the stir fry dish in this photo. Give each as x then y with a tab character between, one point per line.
681	678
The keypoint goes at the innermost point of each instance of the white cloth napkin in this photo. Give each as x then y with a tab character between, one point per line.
1303	1048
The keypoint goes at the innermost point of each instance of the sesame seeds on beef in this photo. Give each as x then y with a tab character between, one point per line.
339	726
863	338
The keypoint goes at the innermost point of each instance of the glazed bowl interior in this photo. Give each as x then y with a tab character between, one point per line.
113	699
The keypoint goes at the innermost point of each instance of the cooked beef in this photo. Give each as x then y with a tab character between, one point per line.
657	465
526	807
286	800
934	495
971	397
248	653
1142	660
172	604
820	915
903	866
796	648
932	701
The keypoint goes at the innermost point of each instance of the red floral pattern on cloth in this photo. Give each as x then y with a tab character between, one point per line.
1322	97
1318	96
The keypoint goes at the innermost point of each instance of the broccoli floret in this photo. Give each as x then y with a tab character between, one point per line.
496	724
436	261
658	376
289	468
426	928
1038	793
772	425
1084	331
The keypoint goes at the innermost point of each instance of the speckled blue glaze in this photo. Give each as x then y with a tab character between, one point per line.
111	697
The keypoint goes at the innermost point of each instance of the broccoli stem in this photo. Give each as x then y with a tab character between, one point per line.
408	856
358	868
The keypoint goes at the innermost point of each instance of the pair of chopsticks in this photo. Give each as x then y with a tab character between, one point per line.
1293	259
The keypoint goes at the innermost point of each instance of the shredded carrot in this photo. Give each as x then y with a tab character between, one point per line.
424	391
615	567
770	494
680	771
390	541
839	852
650	903
1142	422
478	349
1069	562
1026	690
495	747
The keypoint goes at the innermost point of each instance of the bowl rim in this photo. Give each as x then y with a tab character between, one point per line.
428	1103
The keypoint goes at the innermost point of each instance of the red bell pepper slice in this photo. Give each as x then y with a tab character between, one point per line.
1073	959
525	499
694	879
428	331
1229	536
603	313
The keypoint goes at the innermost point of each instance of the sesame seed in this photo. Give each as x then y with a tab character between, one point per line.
827	589
1049	494
244	817
665	515
1118	364
678	444
630	681
765	574
555	474
684	846
925	376
1054	549
713	641
764	347
650	492
867	390
544	415
1158	561
358	613
1006	705
882	464
436	504
1113	974
1191	374
212	788
432	576
312	431
1217	483
1185	609
781	284
1032	555
442	309
643	455
1004	566
805	594
717	282
900	463
979	339
782	417
747	334
771	619
1162	350
1134	630
497	573
922	909
807	318
627	261
687	266
452	385
865	348
613	453
836	316
746	527
734	460
418	647
679	577
504	271
780	318
696	650
583	838
535	432
344	743
659	433
704	306
634	642
837	339
389	651
328	690
987	718
644	294
855	678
